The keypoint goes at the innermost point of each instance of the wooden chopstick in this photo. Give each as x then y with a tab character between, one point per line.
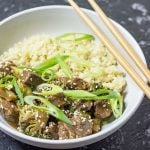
125	44
114	51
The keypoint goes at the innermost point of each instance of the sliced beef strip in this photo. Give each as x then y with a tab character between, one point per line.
102	110
6	67
30	78
72	84
58	100
7	95
82	105
9	111
77	84
65	131
51	130
81	127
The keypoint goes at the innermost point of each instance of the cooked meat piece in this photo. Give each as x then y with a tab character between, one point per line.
30	78
7	95
6	67
86	105
82	105
58	100
72	84
81	127
76	104
102	110
65	131
51	131
96	125
77	84
9	111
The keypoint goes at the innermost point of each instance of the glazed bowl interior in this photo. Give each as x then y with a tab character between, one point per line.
56	20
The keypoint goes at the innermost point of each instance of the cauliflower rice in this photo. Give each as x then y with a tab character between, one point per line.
89	60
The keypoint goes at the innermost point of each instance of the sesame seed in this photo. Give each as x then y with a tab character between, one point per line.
90	120
7	69
74	83
104	105
80	129
42	124
83	106
12	106
39	121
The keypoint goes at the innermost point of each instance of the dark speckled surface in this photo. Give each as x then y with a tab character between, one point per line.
134	15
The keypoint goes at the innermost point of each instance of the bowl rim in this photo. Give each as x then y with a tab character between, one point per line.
121	121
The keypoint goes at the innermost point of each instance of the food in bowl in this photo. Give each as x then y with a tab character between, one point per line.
60	88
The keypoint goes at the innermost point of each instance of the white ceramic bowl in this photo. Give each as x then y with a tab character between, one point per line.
56	20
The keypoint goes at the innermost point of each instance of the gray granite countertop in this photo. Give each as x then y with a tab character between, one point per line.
134	15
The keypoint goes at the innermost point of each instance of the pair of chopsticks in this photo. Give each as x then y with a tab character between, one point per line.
112	48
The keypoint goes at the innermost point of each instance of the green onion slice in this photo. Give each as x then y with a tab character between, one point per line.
44	68
80	94
101	91
48	75
84	95
75	37
106	94
64	67
48	89
18	91
117	106
48	108
28	68
6	81
50	63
